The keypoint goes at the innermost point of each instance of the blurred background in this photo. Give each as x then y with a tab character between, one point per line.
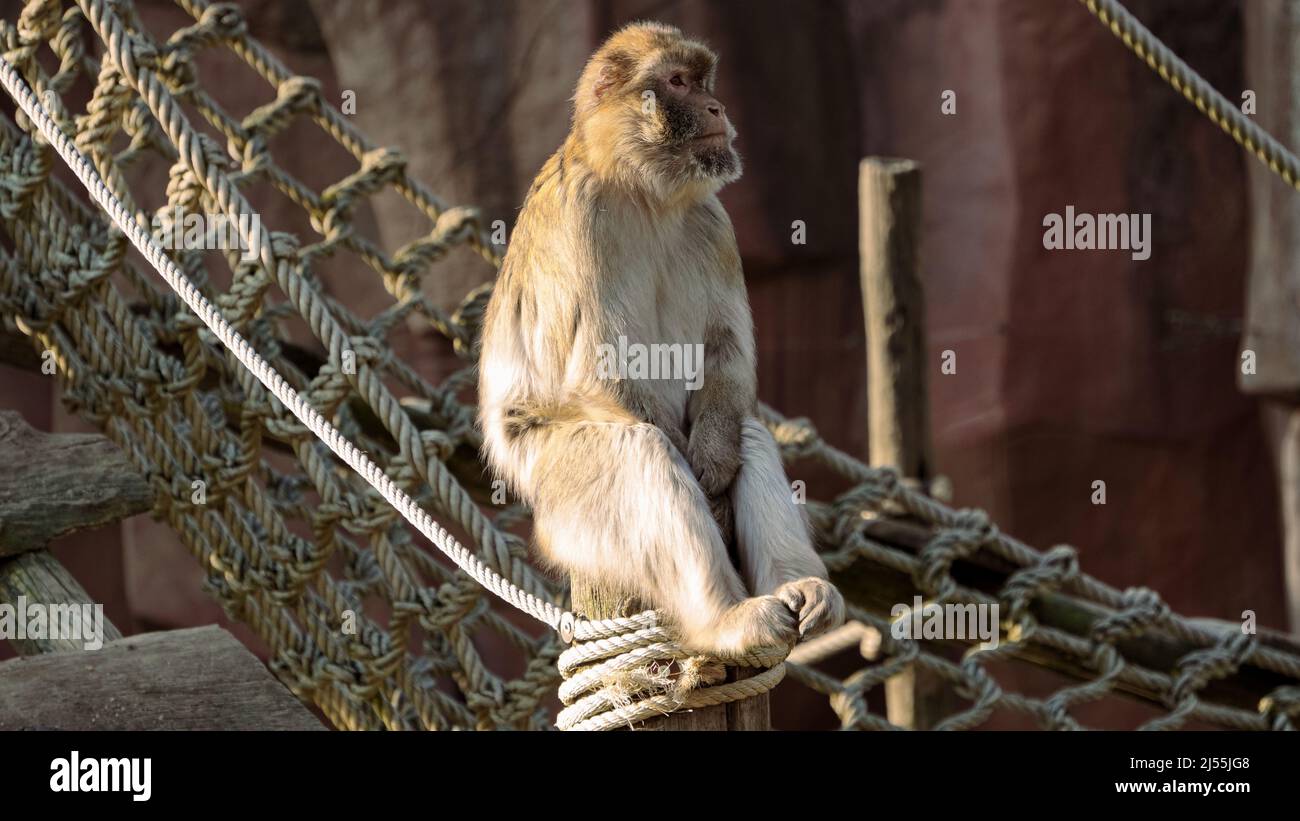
1071	366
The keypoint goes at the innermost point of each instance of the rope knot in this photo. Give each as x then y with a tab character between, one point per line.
294	95
1200	667
797	437
1053	569
888	481
1281	707
1142	610
967	531
225	20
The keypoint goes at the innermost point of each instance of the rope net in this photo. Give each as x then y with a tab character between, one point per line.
359	618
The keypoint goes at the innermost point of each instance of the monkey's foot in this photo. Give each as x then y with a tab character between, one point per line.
815	602
762	624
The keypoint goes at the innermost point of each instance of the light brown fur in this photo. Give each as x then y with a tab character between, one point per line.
622	235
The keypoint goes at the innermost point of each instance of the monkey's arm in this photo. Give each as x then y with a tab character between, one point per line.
727	394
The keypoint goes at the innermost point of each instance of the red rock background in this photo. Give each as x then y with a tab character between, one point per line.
1072	366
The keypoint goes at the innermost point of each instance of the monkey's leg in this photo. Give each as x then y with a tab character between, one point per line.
773	538
618	503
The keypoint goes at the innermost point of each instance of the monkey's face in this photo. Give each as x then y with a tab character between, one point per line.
689	126
645	114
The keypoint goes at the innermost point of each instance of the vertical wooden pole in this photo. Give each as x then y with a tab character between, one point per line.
596	602
898	410
894	306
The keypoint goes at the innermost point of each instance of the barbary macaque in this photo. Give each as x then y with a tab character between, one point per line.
622	240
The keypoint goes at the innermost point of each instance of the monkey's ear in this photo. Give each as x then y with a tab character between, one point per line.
614	68
606	78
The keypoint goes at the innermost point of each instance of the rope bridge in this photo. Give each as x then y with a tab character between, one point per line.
218	394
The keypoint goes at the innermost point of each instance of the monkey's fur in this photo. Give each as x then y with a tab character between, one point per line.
622	234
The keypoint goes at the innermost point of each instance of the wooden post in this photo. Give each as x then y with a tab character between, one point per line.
39	578
53	484
898	413
595	602
898	410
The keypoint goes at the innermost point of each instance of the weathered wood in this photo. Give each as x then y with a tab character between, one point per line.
53	484
196	679
898	409
597	602
38	578
898	414
748	714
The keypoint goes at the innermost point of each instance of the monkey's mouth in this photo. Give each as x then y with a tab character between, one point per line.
713	138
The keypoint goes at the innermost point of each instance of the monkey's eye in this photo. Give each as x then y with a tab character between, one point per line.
677	81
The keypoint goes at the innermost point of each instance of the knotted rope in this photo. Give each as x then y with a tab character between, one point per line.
616	676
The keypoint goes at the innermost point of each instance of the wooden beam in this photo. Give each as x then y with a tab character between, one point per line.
898	406
53	484
38	578
196	679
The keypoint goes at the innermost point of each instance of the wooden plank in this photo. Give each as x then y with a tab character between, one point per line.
38	578
53	484
196	679
898	406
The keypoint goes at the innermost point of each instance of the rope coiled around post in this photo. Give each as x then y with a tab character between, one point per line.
624	670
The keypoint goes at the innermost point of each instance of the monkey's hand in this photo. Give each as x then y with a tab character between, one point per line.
815	602
714	452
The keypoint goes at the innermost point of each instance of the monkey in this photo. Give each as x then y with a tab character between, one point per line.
622	240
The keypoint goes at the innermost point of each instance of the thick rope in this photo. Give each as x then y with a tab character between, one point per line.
614	678
1221	111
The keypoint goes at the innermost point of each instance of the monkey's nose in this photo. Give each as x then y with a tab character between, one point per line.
715	109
